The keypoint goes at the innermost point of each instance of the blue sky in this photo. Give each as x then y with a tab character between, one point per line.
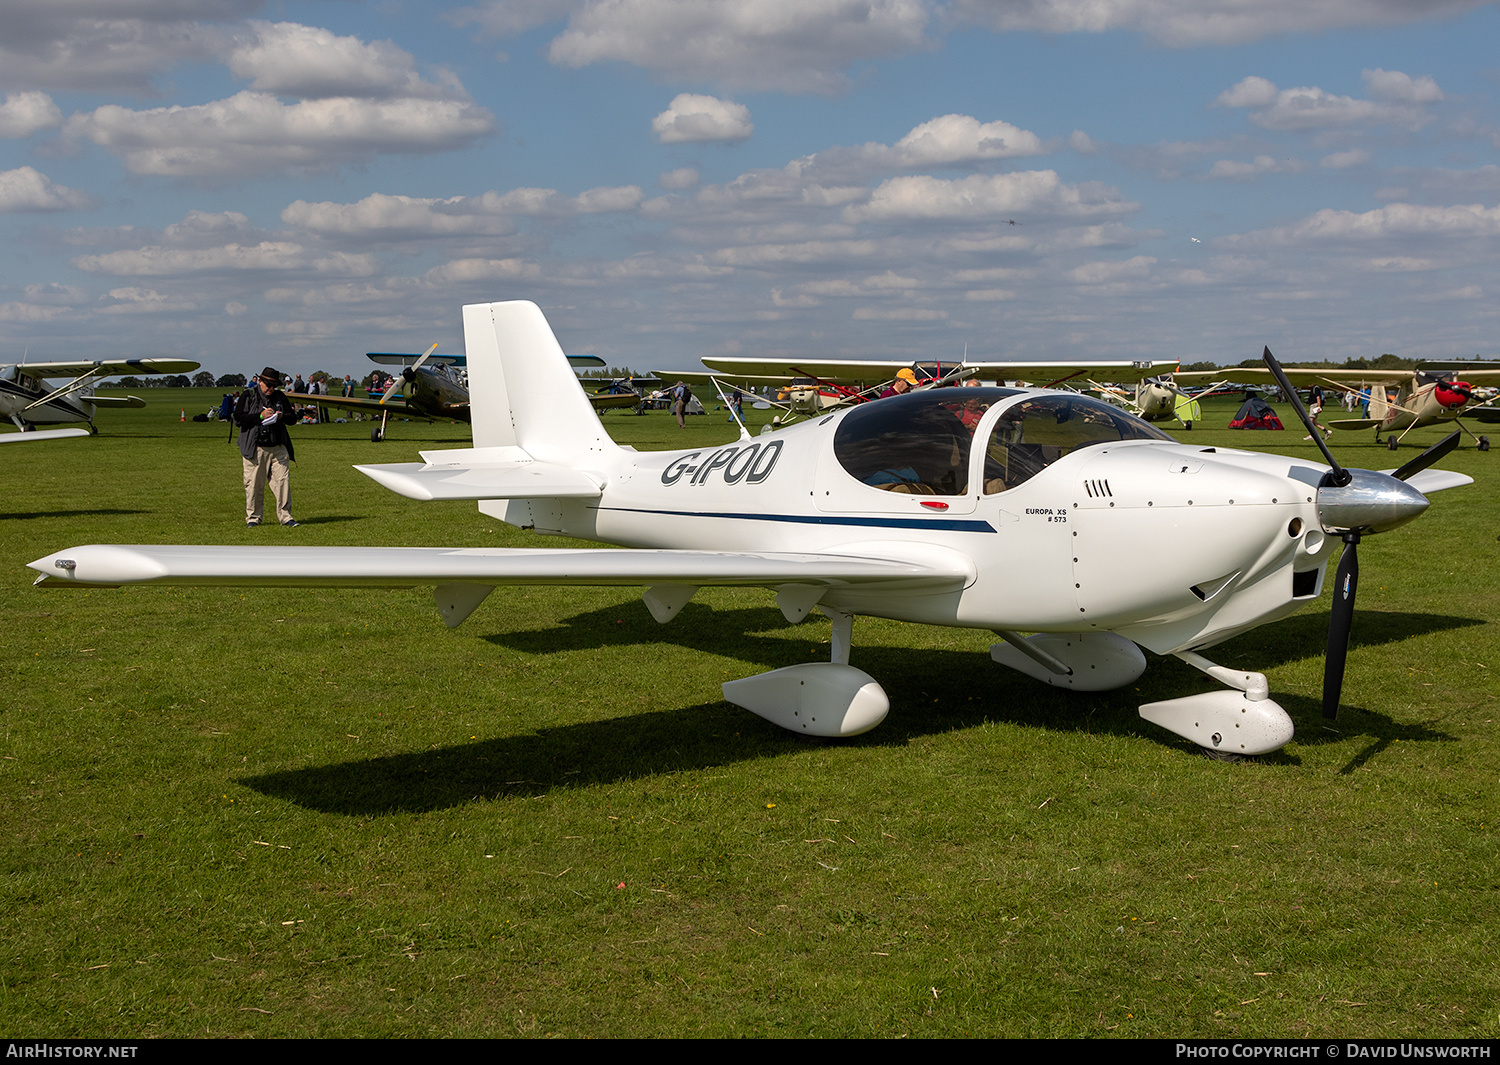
243	182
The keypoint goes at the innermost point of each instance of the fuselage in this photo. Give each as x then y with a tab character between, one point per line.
1075	516
19	392
1419	404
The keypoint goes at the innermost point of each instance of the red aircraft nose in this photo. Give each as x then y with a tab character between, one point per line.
1453	393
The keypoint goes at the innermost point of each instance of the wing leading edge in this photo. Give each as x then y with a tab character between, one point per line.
464	576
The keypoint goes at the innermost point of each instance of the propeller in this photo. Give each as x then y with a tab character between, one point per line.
1353	504
407	374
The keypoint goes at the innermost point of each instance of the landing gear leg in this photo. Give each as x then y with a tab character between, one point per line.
378	433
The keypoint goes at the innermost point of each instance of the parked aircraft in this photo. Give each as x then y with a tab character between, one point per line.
1015	522
435	386
28	401
1423	397
811	386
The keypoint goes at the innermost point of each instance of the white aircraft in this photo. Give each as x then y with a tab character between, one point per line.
27	401
1024	521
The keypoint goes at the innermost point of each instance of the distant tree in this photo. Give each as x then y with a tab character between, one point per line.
611	372
130	382
203	379
1194	367
231	380
178	381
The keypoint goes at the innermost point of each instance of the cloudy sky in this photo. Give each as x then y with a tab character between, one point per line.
244	182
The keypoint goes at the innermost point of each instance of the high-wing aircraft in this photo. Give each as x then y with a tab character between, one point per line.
1024	519
1424	397
28	401
428	387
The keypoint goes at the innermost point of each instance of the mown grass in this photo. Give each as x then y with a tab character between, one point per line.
272	812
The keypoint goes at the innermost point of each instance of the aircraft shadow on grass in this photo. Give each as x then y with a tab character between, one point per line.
28	514
931	691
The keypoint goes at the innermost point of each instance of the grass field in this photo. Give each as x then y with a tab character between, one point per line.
241	812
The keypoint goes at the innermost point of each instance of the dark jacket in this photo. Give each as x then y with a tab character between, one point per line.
252	433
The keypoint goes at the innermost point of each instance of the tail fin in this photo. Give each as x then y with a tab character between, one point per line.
522	392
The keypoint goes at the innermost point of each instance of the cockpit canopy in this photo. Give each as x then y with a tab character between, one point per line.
923	443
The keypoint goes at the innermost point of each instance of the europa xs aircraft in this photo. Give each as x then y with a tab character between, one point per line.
28	401
1022	520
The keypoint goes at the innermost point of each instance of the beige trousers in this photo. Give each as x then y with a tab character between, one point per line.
270	465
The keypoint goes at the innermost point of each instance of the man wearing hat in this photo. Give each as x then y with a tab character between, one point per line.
906	380
262	414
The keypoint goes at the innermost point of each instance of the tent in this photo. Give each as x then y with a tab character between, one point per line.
1255	413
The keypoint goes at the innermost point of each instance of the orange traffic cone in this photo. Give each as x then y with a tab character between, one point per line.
182	415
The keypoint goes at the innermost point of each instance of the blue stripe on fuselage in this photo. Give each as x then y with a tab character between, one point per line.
945	524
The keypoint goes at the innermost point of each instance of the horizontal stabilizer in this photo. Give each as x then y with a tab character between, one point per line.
135	402
403	567
483	473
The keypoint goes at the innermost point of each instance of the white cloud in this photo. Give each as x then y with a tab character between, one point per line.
254	132
692	117
107	44
1102	273
461	271
28	189
502	18
1402	88
384	217
782	45
1182	23
1234	170
1309	107
983	197
142	301
951	139
1399	222
289	59
267	256
1344	160
682	178
25	113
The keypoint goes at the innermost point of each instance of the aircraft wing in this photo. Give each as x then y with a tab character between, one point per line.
391	358
107	367
1339	379
612	400
1354	423
779	371
41	434
463	577
457	412
395	406
111	565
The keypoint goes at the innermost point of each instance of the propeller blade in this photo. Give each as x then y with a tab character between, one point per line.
1340	476
397	380
1346	583
1428	457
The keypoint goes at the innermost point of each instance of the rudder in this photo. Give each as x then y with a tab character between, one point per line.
522	392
